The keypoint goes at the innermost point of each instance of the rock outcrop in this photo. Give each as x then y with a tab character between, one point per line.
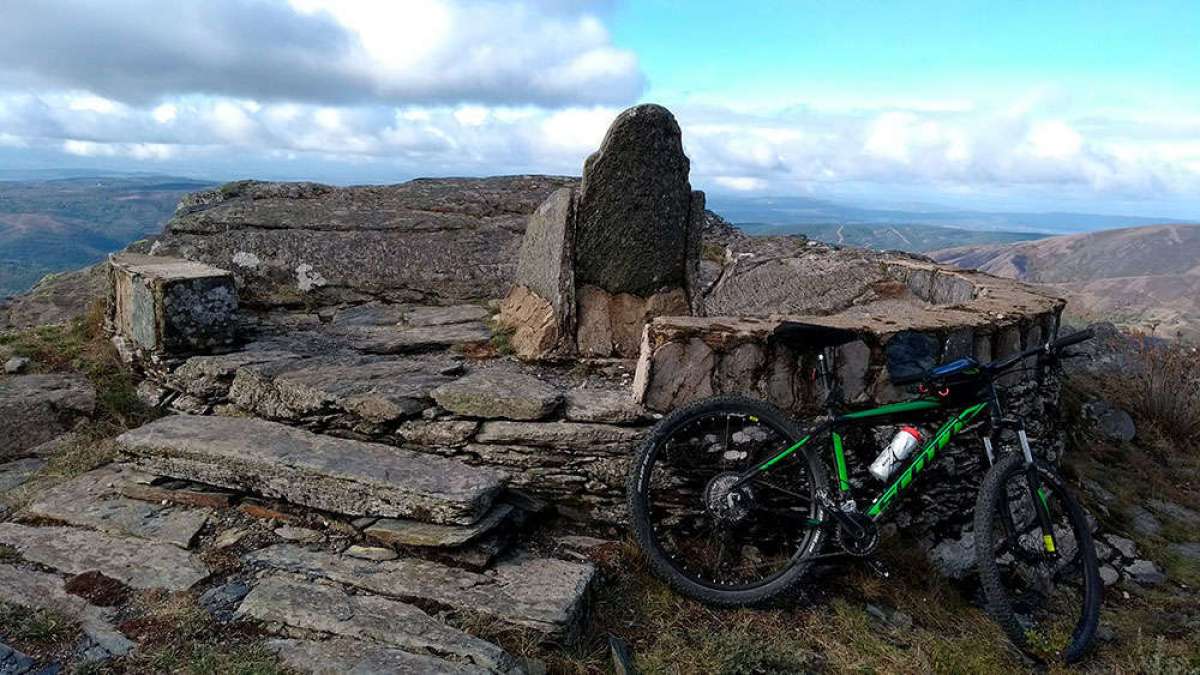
435	241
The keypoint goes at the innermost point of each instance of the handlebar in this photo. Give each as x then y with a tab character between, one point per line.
1048	349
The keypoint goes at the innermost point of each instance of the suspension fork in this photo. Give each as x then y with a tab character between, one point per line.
1033	479
1037	494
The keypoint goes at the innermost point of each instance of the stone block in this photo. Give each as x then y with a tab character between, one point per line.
171	305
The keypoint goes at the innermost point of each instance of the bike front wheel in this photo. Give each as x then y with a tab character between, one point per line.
709	539
1044	590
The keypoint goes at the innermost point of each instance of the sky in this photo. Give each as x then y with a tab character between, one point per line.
1063	106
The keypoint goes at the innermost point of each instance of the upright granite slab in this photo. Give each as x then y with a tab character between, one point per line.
334	474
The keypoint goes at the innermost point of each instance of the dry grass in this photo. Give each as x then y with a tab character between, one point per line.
1165	389
81	346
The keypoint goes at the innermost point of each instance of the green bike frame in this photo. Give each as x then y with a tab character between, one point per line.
921	459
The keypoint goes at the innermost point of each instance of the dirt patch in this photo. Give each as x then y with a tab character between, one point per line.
97	589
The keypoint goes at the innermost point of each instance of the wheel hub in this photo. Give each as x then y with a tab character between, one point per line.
726	503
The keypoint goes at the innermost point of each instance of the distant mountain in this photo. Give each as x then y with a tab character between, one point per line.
901	237
52	225
803	211
1145	277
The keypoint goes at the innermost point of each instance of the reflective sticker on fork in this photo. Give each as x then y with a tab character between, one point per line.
1049	541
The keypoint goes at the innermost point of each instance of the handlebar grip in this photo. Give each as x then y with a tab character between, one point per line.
1073	339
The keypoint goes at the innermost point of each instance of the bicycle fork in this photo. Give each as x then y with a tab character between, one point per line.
1037	494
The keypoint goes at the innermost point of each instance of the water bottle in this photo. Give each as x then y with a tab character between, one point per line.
903	443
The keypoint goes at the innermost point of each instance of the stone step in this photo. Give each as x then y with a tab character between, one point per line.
93	500
545	595
46	591
341	655
333	474
313	606
135	562
402	532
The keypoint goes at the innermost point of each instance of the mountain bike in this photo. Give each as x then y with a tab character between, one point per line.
732	502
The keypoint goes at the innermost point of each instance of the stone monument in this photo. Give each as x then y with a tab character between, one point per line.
600	260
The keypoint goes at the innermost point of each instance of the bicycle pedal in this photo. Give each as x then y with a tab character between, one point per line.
879	568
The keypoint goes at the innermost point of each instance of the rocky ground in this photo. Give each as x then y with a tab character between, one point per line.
109	569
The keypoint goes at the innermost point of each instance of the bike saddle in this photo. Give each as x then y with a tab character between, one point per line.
807	336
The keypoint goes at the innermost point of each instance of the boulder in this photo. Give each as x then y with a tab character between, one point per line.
1109	421
634	204
35	409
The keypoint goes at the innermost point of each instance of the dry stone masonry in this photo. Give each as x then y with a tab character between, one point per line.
345	351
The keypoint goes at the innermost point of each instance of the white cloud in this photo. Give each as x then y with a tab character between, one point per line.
338	52
164	113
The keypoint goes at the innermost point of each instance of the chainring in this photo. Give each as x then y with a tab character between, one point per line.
858	545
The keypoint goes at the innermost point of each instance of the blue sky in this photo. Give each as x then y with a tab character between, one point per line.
1017	106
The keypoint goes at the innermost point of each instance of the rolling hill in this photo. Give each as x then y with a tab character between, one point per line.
910	237
54	225
1142	277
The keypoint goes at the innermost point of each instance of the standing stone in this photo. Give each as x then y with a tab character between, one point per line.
634	202
541	306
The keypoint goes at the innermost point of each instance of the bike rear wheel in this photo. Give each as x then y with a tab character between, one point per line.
1048	602
721	545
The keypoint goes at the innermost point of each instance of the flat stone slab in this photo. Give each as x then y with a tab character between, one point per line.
399	532
15	474
38	408
406	339
557	434
378	328
135	562
339	656
499	393
602	405
543	594
333	474
374	389
93	500
320	607
45	591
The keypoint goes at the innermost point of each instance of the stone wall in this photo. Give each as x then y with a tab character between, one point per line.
907	312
